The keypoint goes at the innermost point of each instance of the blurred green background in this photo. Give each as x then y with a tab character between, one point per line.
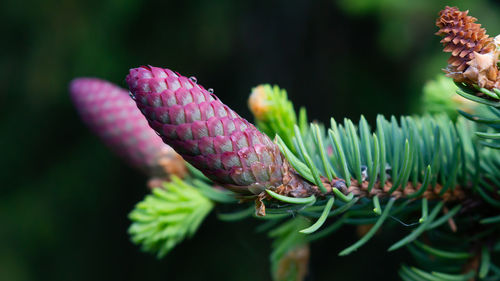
64	197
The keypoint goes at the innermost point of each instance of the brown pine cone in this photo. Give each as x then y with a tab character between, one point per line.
474	54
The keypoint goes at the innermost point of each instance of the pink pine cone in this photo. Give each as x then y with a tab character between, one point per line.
207	133
113	116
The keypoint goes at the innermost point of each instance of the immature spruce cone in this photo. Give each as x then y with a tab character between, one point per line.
109	112
208	134
473	53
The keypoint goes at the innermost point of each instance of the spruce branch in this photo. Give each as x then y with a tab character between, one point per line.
359	154
402	161
426	172
441	150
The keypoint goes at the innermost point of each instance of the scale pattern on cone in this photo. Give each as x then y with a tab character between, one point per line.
206	132
474	54
462	37
113	116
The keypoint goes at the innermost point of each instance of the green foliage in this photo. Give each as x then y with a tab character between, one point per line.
399	153
439	97
167	216
416	151
274	113
412	152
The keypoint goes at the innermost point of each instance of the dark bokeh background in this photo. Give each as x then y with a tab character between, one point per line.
64	197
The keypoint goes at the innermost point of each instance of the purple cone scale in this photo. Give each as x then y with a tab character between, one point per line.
110	113
205	132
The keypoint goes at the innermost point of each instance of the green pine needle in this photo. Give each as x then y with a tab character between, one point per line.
321	219
442	254
419	230
372	231
292	200
489	220
484	268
